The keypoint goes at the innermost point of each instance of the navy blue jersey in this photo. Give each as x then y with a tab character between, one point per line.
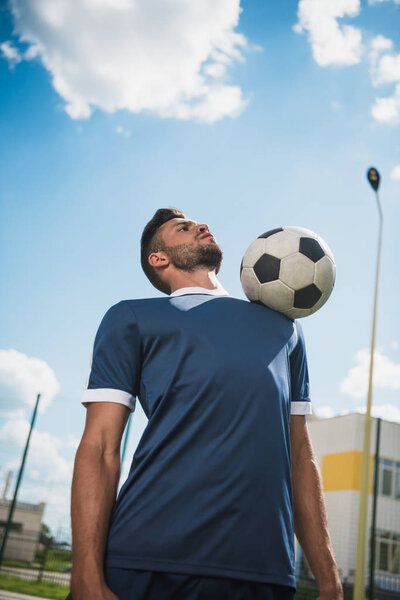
209	488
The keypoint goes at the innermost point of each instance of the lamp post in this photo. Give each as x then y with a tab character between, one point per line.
21	471
359	582
126	439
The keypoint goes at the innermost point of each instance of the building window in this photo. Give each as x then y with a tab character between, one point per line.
389	478
13	526
397	484
387	552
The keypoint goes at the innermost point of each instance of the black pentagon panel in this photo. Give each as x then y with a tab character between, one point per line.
311	249
241	266
270	232
267	268
307	297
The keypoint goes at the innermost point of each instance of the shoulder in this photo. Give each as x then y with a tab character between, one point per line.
127	309
261	311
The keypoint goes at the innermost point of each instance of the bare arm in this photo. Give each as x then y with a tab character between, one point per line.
94	489
310	518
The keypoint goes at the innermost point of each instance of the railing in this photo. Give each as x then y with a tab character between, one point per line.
28	558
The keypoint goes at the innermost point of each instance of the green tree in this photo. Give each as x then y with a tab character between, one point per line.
45	534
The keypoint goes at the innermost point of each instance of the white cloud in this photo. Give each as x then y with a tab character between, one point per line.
219	99
166	56
216	70
380	44
56	498
387	110
72	441
47	475
10	52
324	412
386	374
331	43
18	413
13	55
380	1
395	174
22	378
389	412
122	131
385	68
43	455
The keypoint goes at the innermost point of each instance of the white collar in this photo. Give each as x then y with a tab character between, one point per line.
219	291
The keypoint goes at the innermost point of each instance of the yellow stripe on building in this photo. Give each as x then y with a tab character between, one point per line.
342	471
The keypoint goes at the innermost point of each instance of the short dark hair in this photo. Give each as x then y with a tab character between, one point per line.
152	241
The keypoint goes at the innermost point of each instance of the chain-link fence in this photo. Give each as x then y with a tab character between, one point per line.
338	444
386	586
34	557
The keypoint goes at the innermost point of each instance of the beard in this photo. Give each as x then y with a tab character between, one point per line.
189	258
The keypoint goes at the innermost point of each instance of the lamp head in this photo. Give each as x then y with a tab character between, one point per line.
374	178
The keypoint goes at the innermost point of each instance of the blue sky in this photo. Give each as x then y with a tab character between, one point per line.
280	131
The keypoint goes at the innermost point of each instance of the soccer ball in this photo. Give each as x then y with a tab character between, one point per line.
289	269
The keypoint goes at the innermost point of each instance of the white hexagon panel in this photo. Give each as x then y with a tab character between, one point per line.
282	244
253	252
277	295
326	248
324	275
300	231
250	284
297	271
320	302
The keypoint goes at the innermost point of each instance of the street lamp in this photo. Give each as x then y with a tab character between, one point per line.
21	471
359	583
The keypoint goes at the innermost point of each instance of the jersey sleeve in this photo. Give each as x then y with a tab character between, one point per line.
300	386
114	374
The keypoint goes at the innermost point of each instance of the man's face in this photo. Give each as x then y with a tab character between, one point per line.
189	245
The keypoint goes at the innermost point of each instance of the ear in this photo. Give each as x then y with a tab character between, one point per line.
158	259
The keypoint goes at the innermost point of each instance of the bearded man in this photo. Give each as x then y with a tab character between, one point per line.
224	471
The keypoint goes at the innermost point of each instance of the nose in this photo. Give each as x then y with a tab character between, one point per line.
202	228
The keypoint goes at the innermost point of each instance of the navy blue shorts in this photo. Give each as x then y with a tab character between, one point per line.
136	584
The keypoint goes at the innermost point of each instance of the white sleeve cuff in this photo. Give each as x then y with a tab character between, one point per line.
109	395
300	408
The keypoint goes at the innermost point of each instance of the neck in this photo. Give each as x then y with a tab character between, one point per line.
199	278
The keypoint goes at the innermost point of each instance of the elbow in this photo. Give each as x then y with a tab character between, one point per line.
93	452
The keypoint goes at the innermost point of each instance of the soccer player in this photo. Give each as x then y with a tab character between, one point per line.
224	471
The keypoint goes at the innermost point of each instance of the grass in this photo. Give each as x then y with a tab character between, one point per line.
55	591
306	593
20	564
44	589
56	560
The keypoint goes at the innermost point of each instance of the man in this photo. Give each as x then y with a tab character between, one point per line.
225	464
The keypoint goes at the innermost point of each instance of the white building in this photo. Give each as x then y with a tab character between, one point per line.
338	445
24	533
